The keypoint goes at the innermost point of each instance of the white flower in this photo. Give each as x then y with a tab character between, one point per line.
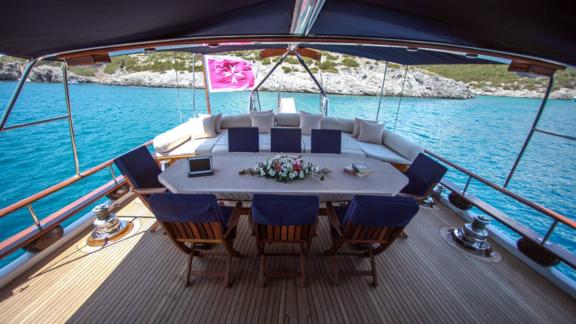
301	174
262	172
272	173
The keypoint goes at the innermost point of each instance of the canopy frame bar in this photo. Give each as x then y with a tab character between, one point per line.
534	129
254	96
17	92
70	121
329	40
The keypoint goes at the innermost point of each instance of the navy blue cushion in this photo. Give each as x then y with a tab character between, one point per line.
285	209
286	140
140	168
184	208
243	139
380	211
326	141
424	173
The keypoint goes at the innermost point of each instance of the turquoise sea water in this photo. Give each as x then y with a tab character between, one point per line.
483	134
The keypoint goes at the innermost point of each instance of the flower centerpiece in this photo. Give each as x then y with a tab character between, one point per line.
286	168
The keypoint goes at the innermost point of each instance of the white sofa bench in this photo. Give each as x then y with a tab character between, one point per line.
178	142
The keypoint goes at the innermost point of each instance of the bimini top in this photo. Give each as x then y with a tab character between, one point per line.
528	29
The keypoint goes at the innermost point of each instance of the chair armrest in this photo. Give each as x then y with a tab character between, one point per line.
418	198
234	218
333	218
149	191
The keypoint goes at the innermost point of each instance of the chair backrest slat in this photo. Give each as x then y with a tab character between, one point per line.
423	175
286	140
326	141
243	139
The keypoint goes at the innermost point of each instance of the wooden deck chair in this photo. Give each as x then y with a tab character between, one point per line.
198	219
423	175
141	172
284	219
374	222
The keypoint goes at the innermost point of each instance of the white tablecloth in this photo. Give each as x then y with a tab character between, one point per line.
226	183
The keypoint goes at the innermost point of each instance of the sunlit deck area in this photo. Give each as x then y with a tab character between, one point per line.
422	279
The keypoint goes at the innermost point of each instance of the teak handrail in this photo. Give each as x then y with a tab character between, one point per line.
27	235
546	211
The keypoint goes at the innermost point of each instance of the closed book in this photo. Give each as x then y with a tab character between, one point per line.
361	168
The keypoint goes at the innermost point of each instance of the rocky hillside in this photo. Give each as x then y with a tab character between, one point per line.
496	80
339	74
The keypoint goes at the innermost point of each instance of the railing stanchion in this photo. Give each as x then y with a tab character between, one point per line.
550	231
467	184
34	216
70	122
113	174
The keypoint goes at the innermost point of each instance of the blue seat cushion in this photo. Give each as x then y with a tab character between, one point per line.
187	208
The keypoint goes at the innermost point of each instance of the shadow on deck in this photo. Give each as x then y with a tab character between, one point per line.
422	279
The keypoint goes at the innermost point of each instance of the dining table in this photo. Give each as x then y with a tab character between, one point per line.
227	183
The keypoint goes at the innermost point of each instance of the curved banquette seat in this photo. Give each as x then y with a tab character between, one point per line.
179	141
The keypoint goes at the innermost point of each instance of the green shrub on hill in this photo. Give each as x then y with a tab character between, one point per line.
497	75
291	60
88	71
328	66
350	62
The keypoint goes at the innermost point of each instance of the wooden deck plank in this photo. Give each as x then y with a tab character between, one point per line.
422	279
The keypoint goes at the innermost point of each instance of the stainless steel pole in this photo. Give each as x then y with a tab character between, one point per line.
401	95
17	92
193	85
382	90
70	122
532	129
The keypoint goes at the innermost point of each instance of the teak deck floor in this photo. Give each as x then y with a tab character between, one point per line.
422	279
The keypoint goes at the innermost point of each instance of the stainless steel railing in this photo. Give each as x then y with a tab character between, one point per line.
568	257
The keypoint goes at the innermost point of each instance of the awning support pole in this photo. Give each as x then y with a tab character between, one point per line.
382	90
532	129
254	93
17	92
206	90
178	94
70	122
401	95
193	85
324	98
